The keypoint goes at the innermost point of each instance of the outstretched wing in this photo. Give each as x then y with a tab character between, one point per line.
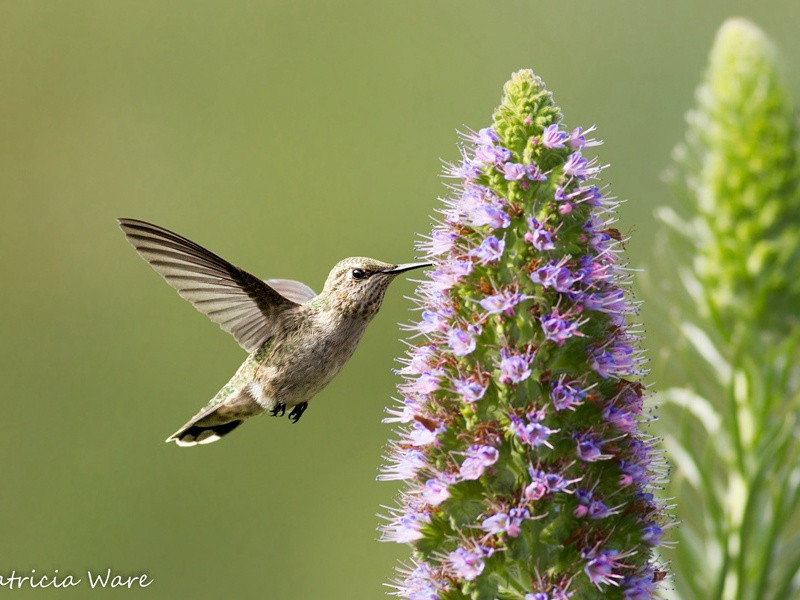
237	301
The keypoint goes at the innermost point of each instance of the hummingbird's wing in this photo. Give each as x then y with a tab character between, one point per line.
237	301
293	290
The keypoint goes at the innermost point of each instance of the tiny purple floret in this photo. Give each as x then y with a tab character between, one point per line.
513	367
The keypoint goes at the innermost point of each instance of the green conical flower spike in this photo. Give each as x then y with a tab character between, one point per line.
529	474
732	431
739	164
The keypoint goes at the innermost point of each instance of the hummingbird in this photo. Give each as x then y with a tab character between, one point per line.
297	340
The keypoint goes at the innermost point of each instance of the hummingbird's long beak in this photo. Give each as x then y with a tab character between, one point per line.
406	267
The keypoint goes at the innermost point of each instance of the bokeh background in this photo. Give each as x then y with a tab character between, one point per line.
284	136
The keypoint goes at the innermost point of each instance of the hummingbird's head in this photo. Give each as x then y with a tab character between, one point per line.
355	286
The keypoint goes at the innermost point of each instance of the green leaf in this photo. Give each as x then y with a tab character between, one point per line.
485	589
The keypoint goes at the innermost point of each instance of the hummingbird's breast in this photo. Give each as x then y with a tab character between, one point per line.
307	355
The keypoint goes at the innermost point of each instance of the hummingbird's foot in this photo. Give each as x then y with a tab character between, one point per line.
280	407
298	411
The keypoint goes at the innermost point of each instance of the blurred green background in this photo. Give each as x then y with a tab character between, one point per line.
284	136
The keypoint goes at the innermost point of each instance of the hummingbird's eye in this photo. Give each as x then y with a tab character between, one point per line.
358	274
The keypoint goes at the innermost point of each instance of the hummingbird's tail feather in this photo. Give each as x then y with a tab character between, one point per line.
191	434
218	418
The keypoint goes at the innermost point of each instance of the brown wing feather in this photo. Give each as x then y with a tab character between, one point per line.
240	303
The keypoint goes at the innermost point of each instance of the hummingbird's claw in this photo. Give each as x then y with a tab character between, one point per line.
298	411
280	407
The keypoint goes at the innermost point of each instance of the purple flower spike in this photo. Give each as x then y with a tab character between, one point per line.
522	389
